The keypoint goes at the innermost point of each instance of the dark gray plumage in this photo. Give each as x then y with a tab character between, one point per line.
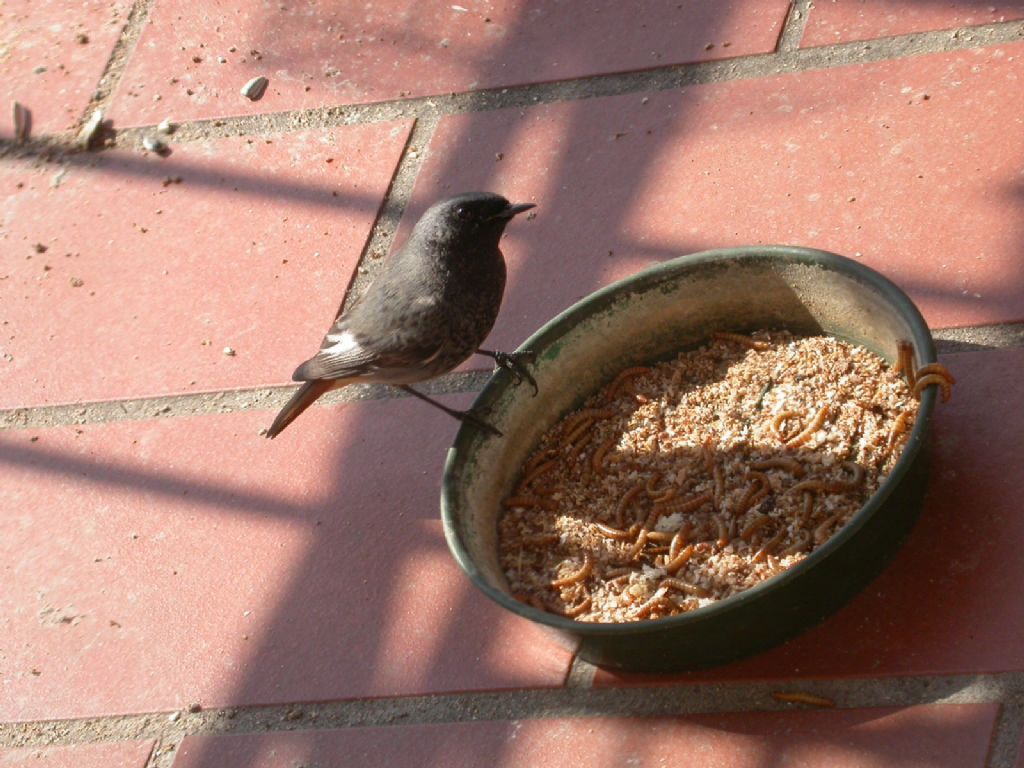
432	305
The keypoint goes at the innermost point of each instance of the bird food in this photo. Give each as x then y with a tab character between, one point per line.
686	482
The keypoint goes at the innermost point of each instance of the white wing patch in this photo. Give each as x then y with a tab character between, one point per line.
341	344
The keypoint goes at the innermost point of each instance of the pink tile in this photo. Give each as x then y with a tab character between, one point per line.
54	54
144	280
838	21
887	163
323	54
956	736
940	606
122	754
149	565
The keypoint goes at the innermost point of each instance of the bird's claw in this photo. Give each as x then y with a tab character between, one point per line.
513	363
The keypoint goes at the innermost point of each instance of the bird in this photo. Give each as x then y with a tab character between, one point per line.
432	305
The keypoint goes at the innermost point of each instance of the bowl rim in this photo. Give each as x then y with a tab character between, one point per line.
638	282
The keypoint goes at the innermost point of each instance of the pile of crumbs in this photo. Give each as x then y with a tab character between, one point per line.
689	481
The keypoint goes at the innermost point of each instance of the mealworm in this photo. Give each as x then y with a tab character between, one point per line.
615	533
577	432
938	379
905	361
539	458
597	414
645	529
682	586
799	697
645	609
678	540
620	510
661	536
853	483
792	466
899	426
613	388
539	470
805	434
754	493
797	546
746	341
814	485
684	505
576	576
598	458
580	446
759	522
651	482
723	532
681	559
808	509
821	532
769	546
937	368
619	572
719	477
778	421
580	609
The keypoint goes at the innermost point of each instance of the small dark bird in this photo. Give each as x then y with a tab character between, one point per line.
434	302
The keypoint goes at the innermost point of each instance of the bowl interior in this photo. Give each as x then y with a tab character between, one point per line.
648	317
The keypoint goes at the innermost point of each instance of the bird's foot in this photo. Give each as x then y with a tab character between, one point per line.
476	421
513	363
464	416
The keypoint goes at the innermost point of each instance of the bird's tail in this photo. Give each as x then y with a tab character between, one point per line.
303	398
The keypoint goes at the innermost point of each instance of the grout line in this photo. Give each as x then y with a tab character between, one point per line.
795	24
163	753
123	48
1006	736
979	338
228	401
947	341
396	200
705	697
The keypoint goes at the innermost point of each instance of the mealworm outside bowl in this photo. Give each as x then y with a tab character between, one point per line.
652	316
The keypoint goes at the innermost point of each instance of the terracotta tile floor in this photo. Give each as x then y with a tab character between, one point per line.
178	591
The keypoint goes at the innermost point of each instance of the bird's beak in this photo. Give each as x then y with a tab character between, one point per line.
513	210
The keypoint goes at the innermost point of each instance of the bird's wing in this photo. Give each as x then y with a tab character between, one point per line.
353	351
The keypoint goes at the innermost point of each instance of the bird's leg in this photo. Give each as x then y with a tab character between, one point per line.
469	416
512	362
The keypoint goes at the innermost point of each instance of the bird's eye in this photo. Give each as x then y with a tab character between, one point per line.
462	212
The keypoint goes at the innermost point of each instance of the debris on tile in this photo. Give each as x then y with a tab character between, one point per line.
39	70
77	282
229	352
81	38
255	88
155	145
90	130
22	121
166	127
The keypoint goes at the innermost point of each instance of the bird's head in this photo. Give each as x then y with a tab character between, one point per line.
473	220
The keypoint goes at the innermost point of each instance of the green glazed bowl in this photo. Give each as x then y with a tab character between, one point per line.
652	316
